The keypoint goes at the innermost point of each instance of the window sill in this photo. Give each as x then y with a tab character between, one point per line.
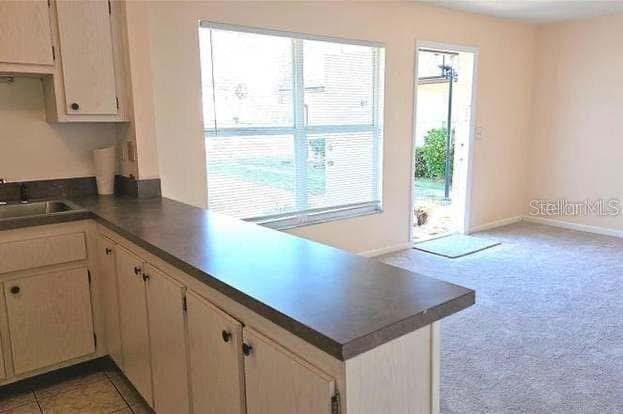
320	218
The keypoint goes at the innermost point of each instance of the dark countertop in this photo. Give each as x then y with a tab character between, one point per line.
339	302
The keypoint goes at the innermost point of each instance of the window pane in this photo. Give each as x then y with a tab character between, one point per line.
206	79
251	176
252	78
339	81
263	165
342	169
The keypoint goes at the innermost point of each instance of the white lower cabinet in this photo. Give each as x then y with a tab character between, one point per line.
185	355
49	318
165	304
216	365
133	322
278	382
107	274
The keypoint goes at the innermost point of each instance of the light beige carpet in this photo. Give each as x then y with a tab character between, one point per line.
546	333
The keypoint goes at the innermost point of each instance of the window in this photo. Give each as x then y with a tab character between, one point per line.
293	125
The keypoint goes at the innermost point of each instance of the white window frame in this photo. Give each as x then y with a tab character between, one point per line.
300	130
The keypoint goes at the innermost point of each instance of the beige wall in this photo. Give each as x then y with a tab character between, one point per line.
577	147
141	131
32	149
505	73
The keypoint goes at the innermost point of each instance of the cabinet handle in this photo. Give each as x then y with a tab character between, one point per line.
246	349
108	251
75	106
145	277
15	290
137	270
226	335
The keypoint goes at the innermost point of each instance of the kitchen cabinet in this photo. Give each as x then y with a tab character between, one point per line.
89	83
107	274
2	369
49	318
167	332
44	251
279	382
25	37
86	51
80	50
216	365
133	322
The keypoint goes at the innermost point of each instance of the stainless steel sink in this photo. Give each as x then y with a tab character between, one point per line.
38	208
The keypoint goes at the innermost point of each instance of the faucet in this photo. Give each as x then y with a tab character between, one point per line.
23	193
2	182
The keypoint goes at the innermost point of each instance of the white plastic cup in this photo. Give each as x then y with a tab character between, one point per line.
104	159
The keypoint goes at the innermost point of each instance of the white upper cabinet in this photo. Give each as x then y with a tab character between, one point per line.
86	49
25	36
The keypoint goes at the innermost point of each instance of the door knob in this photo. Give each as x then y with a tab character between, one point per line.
145	277
246	349
226	335
75	106
15	290
108	251
137	270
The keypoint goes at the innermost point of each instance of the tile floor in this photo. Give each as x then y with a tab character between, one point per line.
104	392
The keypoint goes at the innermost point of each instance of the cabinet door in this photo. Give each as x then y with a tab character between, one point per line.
49	318
87	57
25	35
107	278
216	368
169	362
278	382
133	322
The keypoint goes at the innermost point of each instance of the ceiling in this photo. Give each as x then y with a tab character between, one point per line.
534	11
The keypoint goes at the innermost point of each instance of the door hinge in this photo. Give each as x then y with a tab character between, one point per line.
49	3
109	8
117	101
184	304
95	339
89	276
335	403
53	53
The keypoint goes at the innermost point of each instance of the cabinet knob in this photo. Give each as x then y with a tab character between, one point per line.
75	106
108	251
15	290
137	270
226	335
246	349
145	277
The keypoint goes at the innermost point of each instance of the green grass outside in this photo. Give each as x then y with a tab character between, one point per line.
429	188
274	172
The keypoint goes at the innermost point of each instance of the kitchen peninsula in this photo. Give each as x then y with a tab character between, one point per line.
206	312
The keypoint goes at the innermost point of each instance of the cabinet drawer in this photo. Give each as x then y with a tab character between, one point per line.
44	251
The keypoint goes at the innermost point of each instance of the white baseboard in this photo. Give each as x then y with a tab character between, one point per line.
386	250
574	226
494	224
